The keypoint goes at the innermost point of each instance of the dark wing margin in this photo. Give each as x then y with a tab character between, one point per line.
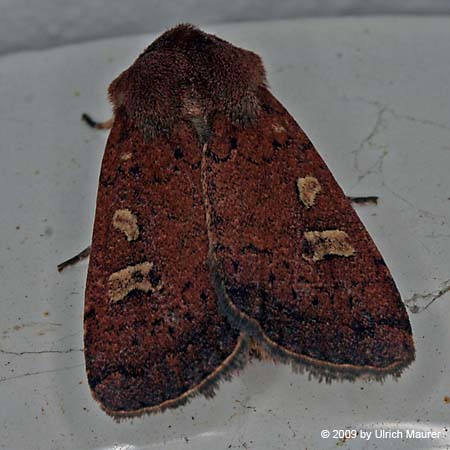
153	335
292	263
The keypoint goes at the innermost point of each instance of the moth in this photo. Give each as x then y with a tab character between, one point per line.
220	233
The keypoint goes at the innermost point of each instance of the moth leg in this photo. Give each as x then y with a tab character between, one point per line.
75	259
365	199
97	125
85	253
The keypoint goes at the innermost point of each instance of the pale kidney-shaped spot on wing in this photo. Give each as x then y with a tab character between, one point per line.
318	244
308	188
124	220
140	277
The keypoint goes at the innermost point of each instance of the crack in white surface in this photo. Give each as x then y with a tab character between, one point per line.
424	212
368	142
408	117
420	302
377	166
40	372
432	123
437	235
378	127
67	336
22	326
39	352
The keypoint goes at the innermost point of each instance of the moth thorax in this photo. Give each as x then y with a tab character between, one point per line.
195	113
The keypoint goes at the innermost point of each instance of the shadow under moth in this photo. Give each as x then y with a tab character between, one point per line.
220	233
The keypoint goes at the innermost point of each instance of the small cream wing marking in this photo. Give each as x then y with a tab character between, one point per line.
318	244
308	188
124	220
138	277
278	128
126	156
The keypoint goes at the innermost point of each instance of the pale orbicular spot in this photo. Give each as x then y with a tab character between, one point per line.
318	244
308	188
139	277
124	220
126	156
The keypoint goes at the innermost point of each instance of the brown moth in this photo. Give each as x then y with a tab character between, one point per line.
219	230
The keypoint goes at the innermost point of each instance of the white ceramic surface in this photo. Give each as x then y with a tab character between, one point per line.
374	97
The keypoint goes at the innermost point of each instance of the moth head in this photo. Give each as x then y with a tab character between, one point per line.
190	75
